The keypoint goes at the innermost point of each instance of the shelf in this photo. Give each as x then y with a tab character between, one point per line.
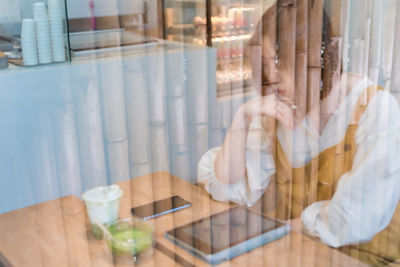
231	38
183	3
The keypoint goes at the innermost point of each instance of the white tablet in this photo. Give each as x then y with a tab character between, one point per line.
227	234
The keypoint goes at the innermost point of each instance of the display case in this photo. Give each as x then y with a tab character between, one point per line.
225	25
34	33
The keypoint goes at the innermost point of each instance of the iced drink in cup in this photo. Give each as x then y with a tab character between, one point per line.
102	204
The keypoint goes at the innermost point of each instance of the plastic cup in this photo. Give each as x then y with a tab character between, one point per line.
59	56
131	240
56	23
56	14
28	42
30	61
58	43
28	28
57	29
55	5
39	11
43	38
29	57
102	204
42	27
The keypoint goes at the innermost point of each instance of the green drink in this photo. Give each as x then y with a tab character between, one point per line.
130	237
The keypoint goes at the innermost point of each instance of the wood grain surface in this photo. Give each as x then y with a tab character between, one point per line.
58	233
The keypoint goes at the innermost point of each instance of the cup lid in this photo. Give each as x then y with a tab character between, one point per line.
102	194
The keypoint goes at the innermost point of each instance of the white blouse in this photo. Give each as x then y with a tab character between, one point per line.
365	198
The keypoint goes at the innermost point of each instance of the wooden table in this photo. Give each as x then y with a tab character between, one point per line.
57	232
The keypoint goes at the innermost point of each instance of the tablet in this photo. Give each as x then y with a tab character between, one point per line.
227	234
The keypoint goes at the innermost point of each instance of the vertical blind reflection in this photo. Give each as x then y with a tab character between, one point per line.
107	118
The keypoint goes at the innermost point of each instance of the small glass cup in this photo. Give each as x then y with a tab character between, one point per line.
131	240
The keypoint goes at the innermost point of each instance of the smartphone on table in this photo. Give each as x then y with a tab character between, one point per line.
160	207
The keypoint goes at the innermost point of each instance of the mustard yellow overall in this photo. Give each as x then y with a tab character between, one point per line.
293	189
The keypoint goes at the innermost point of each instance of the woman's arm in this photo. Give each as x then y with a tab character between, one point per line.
230	162
366	197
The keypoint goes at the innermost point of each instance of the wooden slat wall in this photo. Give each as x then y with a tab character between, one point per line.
286	37
354	38
300	100
315	15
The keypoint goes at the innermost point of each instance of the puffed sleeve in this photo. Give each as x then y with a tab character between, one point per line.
259	165
366	197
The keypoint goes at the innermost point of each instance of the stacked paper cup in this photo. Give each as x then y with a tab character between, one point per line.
56	19
28	42
42	32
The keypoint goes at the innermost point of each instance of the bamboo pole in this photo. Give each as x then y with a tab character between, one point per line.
299	181
331	93
385	241
91	147
268	40
67	150
155	70
315	11
216	137
118	161
22	176
261	50
356	58
286	39
197	87
138	117
175	74
359	52
358	11
345	33
113	101
179	140
301	58
178	125
43	164
332	52
198	142
141	169
114	113
375	43
181	166
221	115
313	105
160	148
389	11
367	40
396	94
357	36
395	82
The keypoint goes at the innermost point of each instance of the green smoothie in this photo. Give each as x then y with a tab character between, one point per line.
129	240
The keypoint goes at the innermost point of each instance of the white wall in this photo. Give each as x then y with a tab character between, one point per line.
9	11
65	128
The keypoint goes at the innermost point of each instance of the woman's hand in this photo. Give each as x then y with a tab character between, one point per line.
272	106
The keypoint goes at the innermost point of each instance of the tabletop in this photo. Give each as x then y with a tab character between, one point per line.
58	232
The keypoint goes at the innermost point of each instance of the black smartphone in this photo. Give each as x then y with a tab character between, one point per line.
160	207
